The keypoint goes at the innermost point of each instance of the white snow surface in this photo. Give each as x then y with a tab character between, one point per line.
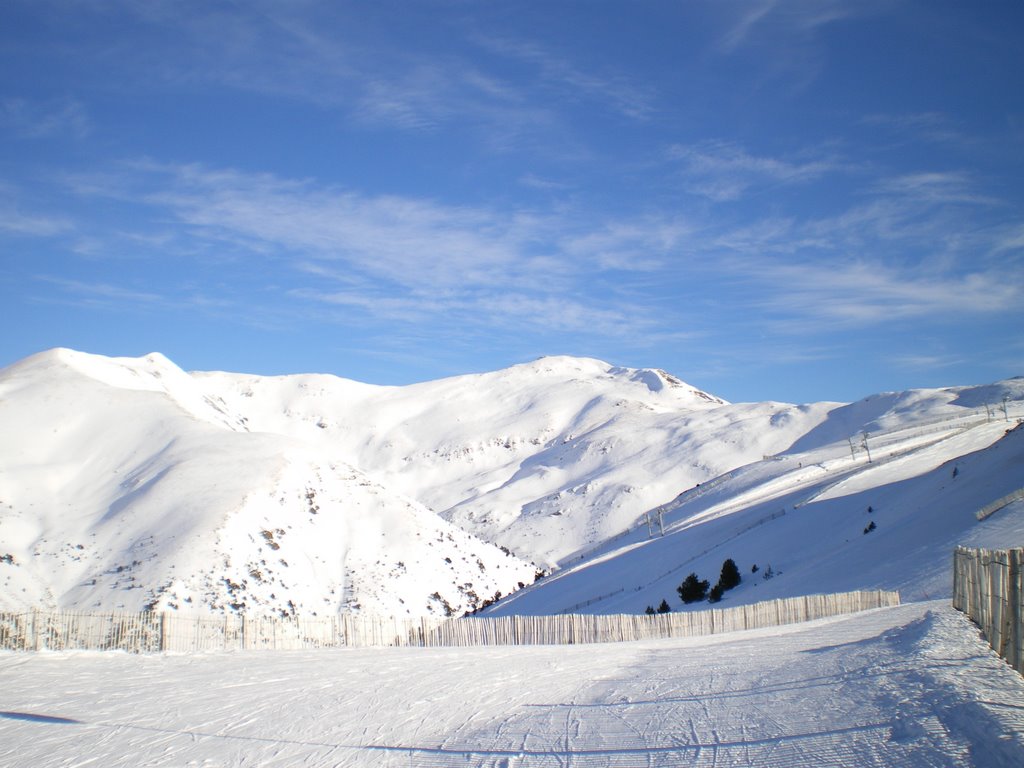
129	483
911	686
803	520
126	486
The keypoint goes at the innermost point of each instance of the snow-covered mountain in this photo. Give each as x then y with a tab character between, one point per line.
130	483
123	484
882	508
544	458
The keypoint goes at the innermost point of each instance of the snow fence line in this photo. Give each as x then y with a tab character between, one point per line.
175	632
988	586
995	506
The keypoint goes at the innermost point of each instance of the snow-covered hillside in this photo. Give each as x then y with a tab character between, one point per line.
124	485
824	519
130	483
542	458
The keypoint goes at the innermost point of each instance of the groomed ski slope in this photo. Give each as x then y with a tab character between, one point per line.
908	686
805	516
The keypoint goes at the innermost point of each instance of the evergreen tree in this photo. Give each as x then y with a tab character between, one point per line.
693	589
650	610
716	593
730	576
664	607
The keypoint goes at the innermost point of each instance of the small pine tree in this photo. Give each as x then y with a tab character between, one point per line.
871	527
730	576
650	610
692	589
664	607
716	593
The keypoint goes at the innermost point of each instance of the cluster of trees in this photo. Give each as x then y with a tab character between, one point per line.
694	589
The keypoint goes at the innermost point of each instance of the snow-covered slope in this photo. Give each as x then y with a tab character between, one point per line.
820	520
130	483
913	686
543	458
124	486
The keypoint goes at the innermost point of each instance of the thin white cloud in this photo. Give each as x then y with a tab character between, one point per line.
639	245
783	40
918	126
784	21
724	171
413	260
859	293
466	312
533	181
331	55
429	94
17	222
103	293
44	119
614	91
412	242
751	14
395	258
1009	239
935	187
371	302
926	362
409	241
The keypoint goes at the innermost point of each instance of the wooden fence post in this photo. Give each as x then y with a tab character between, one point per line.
1014	618
988	586
141	633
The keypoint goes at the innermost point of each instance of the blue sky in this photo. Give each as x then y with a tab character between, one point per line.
796	200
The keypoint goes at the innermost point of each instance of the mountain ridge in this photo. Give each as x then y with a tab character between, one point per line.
134	484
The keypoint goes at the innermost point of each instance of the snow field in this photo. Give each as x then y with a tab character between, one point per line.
807	522
908	686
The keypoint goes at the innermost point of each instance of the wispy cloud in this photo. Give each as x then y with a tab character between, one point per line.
641	244
723	171
749	17
1009	239
413	242
15	220
408	241
784	20
917	126
935	187
897	252
104	294
859	293
556	72
397	258
434	94
44	119
784	40
926	362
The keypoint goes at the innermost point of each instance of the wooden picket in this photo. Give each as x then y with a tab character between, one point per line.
988	586
184	633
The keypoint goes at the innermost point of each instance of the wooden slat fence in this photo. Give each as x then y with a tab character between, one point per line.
988	586
998	504
176	632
